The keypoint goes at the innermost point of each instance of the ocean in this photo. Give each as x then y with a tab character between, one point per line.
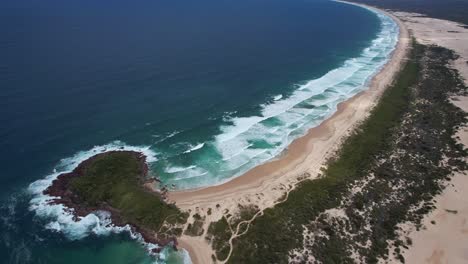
206	89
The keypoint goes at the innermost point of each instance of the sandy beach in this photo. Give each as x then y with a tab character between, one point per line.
265	184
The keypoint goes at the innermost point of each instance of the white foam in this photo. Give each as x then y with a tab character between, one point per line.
170	169
187	259
199	146
165	137
61	219
235	150
191	173
278	97
189	176
182	254
286	110
310	104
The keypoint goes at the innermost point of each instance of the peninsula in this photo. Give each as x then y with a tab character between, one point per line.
114	182
352	190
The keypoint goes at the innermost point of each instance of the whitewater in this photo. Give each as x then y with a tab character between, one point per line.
244	141
61	219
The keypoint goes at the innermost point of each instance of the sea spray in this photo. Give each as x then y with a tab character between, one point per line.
61	219
247	141
193	148
98	96
243	143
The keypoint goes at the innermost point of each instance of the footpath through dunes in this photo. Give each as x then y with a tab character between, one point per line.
387	173
267	184
403	162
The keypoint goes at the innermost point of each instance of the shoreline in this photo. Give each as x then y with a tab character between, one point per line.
299	150
265	184
75	192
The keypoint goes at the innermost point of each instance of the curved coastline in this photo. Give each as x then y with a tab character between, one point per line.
296	152
243	141
265	184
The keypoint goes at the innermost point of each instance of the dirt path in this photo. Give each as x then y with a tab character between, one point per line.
264	185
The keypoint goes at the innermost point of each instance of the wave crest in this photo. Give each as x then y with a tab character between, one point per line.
61	218
245	142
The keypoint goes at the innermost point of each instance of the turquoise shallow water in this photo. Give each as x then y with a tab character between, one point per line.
206	89
245	141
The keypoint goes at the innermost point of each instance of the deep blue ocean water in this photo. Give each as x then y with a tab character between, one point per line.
208	88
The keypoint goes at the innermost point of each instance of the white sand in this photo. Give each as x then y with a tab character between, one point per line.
267	183
447	240
448	34
444	242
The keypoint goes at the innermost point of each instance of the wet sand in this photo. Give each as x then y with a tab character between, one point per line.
267	183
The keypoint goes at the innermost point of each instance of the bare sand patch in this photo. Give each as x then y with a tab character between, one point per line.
444	237
448	34
265	184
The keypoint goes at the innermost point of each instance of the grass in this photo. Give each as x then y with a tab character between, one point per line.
279	230
115	180
407	144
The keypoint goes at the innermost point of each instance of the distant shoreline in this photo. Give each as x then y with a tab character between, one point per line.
267	183
295	153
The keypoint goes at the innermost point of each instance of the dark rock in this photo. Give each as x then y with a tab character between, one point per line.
60	190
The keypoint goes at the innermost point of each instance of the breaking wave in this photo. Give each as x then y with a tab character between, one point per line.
61	219
199	146
245	142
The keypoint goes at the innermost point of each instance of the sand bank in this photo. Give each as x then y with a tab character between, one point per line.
267	183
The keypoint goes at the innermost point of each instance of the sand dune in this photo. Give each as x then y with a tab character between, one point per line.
266	184
444	238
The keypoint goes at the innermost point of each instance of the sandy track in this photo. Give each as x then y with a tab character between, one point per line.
266	184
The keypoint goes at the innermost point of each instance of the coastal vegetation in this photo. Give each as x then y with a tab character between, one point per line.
113	181
218	235
385	173
454	10
208	109
220	232
195	228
